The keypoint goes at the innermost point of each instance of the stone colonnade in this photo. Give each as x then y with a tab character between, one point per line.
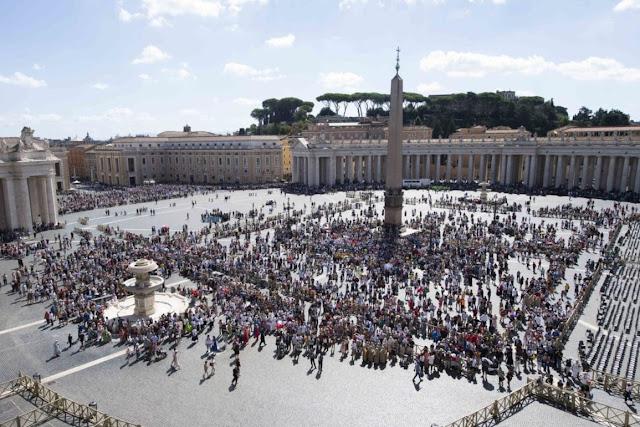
590	169
27	199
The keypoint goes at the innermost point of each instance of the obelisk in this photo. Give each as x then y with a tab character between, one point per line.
393	184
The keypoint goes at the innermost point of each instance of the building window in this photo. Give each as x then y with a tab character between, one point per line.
102	166
131	164
229	162
244	162
144	161
258	161
266	161
109	165
117	165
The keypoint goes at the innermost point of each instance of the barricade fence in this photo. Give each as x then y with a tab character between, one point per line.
546	393
51	405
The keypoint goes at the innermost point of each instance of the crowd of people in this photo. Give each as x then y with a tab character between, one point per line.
444	298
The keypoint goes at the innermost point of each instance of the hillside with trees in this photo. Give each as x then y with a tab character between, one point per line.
445	113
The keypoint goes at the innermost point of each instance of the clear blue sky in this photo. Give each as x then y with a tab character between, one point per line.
111	67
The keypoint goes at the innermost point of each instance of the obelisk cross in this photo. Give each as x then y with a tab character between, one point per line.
398	60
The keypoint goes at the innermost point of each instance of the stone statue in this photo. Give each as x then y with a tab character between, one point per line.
26	136
3	146
45	144
521	131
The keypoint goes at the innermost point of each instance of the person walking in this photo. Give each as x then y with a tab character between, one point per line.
236	375
627	392
262	341
312	358
56	349
320	359
206	369
70	340
175	363
418	373
212	365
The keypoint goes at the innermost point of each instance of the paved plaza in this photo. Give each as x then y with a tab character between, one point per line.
270	391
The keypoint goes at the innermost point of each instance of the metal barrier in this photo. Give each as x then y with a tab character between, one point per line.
51	405
546	393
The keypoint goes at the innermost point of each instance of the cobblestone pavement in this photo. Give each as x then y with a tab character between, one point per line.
270	391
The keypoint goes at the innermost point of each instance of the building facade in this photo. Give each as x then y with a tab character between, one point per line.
365	129
28	174
599	159
189	157
63	180
78	161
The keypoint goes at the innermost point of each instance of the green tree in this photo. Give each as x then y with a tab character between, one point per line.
584	116
437	128
326	111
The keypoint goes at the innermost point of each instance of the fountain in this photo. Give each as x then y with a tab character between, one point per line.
144	302
483	191
143	286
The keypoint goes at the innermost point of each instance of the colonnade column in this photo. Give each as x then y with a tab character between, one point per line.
547	170
368	171
459	169
416	166
339	170
572	173
359	169
349	167
51	199
560	171
503	169
378	168
494	168
636	181
406	173
41	184
10	208
525	175
470	169
625	174
305	171
428	166
509	179
22	200
584	173
294	166
35	197
483	168
533	171
448	176
598	173
437	169
332	171
611	173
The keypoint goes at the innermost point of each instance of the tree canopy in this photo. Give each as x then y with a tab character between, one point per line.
445	114
585	117
276	115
